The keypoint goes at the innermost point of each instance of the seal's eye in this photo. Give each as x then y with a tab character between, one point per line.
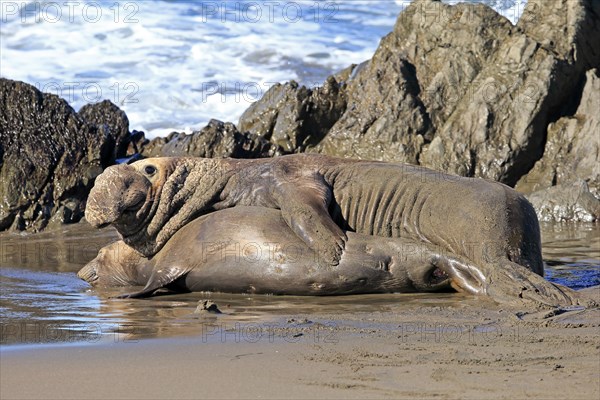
150	170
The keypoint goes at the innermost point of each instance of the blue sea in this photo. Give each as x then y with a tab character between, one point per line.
174	65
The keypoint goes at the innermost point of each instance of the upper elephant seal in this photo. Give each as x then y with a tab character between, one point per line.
319	197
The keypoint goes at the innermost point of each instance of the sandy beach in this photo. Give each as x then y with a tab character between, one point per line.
507	94
463	348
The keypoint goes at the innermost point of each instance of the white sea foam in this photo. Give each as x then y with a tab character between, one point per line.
173	65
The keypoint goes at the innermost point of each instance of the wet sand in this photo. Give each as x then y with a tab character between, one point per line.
453	351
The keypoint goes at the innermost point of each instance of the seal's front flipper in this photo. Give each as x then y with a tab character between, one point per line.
306	211
160	278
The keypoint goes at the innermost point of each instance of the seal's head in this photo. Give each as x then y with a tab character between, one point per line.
116	265
150	200
125	196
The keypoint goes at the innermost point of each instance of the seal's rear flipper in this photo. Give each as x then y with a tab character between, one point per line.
464	277
506	282
160	278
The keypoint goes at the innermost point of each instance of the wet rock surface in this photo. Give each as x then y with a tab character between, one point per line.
207	306
566	202
454	88
110	121
216	140
50	155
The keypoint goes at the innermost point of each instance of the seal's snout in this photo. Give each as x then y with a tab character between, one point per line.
100	216
119	189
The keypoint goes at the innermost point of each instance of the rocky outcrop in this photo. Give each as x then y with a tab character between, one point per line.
567	177
111	121
295	117
498	130
50	155
461	90
400	98
566	203
216	140
572	150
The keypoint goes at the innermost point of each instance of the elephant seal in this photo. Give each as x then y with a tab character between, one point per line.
320	198
252	250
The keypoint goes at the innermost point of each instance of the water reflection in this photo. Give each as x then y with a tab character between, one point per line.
42	300
572	254
64	250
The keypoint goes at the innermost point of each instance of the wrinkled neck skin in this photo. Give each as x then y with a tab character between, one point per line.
190	190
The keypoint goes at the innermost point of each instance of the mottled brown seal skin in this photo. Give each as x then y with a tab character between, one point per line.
320	198
252	250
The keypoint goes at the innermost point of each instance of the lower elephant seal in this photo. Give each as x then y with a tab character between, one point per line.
252	250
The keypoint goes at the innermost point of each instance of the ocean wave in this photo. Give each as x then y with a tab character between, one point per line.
174	65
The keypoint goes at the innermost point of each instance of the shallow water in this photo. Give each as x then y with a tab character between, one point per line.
572	254
42	301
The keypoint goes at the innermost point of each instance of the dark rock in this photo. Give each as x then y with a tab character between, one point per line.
216	140
49	157
207	306
137	140
293	116
108	117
